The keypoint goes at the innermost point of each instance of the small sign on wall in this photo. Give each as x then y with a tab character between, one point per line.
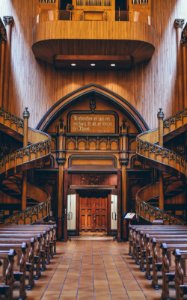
92	123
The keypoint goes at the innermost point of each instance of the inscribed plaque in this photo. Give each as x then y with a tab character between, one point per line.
92	123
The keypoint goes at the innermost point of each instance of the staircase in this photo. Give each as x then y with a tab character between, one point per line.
13	164
172	165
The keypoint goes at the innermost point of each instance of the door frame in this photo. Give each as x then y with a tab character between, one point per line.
108	210
109	232
75	189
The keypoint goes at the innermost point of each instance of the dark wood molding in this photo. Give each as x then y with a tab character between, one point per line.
61	105
93	157
93	187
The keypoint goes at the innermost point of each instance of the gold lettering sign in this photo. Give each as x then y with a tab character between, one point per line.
92	123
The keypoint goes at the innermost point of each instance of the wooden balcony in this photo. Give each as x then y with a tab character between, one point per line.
74	41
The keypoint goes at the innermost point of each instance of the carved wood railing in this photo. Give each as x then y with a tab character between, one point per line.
31	214
39	145
149	212
39	148
163	159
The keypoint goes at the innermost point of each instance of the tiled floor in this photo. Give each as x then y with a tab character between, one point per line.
98	270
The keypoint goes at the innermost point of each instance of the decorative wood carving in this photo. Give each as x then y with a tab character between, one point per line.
147	147
100	143
92	104
89	179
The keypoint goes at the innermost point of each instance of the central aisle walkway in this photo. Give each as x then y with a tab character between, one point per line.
99	270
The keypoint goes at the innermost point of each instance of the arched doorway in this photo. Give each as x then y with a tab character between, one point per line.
93	135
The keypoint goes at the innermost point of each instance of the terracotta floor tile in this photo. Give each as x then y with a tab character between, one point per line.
92	270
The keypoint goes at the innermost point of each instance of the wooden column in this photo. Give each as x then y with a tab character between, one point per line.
26	116
124	163
9	21
160	117
61	161
184	58
3	39
179	23
186	177
120	231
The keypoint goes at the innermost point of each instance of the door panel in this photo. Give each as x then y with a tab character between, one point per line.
114	209
93	214
71	212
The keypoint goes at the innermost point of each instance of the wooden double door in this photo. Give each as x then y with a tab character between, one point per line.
93	213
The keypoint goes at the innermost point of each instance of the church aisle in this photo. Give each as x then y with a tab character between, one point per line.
99	270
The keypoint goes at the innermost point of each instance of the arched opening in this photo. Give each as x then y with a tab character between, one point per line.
93	134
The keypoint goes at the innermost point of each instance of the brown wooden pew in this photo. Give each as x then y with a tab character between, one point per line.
140	252
135	242
50	230
157	255
7	278
19	271
29	256
145	245
133	229
180	273
26	234
33	255
168	268
41	240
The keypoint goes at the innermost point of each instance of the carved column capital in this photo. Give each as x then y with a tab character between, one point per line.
124	161
3	36
184	35
8	20
179	23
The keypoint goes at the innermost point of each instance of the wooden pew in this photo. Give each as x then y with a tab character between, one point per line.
34	256
135	242
157	256
19	270
133	229
7	280
29	256
142	252
180	273
168	269
41	240
49	241
44	248
50	229
146	248
145	243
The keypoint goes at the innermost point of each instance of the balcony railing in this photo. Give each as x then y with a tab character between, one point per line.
103	15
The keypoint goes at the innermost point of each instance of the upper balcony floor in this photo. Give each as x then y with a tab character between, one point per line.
94	33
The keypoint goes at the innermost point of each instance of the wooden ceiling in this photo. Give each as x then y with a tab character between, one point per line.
124	44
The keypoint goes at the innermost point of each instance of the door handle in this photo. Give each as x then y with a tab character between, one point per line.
70	216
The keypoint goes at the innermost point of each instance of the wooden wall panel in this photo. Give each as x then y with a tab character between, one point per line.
147	87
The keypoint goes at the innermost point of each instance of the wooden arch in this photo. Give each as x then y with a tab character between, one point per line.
89	90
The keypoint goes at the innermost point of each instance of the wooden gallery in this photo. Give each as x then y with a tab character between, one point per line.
93	125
